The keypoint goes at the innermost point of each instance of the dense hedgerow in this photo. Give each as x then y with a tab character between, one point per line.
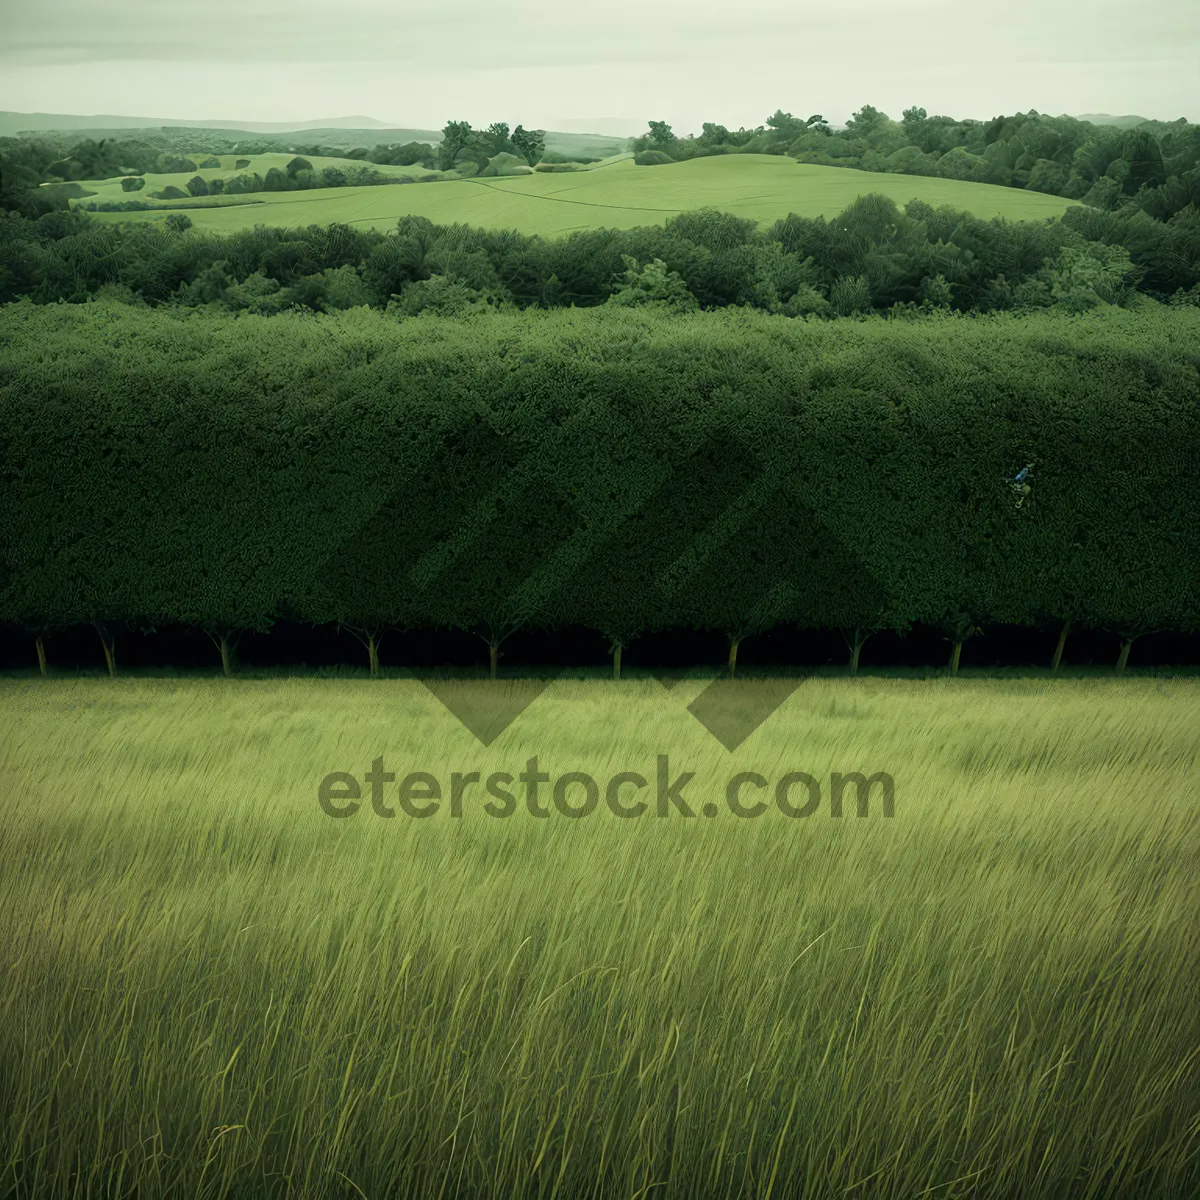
624	470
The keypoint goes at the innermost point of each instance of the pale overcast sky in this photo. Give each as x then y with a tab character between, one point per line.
552	64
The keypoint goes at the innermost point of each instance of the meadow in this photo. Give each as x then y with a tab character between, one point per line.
615	194
212	988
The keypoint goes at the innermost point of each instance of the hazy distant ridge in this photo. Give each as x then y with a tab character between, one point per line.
12	123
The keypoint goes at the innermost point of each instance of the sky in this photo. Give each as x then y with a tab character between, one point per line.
554	64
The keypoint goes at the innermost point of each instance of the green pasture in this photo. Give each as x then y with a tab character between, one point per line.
110	189
211	988
616	194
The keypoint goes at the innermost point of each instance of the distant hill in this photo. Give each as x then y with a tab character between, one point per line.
619	127
580	134
1105	119
337	133
18	122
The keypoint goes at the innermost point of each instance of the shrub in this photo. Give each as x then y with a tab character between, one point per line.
506	164
344	288
652	284
241	164
211	161
438	295
116	206
132	184
243	183
170	164
652	158
170	192
554	157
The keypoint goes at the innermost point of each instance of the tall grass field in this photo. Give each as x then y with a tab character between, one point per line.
615	194
209	987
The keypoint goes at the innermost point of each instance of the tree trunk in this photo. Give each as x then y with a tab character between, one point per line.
373	653
42	657
227	655
1123	658
955	655
616	653
110	650
733	649
1058	650
493	657
856	645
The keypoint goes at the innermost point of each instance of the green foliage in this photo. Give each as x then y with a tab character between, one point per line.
850	295
506	164
652	158
241	164
629	469
530	144
958	164
171	164
652	284
553	156
1083	277
439	295
245	183
661	137
724	260
344	288
211	161
1048	176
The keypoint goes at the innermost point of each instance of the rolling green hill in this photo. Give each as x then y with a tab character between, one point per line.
615	194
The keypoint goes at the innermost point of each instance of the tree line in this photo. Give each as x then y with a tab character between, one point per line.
1152	168
297	175
872	257
624	470
28	162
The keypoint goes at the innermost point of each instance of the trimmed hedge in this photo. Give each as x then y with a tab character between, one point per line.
624	470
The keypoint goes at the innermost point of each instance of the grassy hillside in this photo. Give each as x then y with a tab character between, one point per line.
616	194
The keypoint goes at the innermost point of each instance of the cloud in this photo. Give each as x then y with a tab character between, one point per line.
684	61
